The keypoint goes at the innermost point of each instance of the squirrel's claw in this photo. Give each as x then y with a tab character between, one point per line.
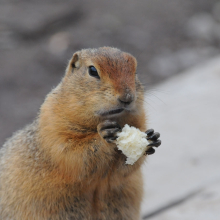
156	143
149	132
153	138
111	139
108	130
150	151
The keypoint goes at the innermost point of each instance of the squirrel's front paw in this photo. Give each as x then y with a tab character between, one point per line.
153	138
108	130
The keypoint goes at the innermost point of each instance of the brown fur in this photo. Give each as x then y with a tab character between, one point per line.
59	167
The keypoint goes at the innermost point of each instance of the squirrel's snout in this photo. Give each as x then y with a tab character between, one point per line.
126	99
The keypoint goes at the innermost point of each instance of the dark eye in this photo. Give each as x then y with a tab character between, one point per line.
93	72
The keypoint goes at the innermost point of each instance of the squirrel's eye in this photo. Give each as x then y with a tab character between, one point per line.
93	72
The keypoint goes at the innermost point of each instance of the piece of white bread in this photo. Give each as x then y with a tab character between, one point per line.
132	142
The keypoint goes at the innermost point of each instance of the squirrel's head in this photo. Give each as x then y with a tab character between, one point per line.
101	83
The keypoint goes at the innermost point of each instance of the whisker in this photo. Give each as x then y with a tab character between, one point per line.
148	104
157	97
144	100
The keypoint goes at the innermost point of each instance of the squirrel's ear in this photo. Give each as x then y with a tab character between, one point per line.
75	61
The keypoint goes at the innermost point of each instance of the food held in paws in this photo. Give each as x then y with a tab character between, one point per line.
132	142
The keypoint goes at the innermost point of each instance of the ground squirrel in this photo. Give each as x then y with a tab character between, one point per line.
65	165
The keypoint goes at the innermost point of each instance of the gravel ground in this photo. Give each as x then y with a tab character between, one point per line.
38	37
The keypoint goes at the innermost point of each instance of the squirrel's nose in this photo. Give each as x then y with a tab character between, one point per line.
126	99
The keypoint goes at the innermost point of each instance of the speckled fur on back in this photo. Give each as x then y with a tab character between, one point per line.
59	167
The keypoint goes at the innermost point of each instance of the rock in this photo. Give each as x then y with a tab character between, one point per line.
205	205
186	113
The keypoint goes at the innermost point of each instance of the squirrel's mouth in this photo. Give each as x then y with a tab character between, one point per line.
111	112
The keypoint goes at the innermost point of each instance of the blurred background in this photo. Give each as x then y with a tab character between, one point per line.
37	38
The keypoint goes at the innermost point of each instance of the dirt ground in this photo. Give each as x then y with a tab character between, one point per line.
38	37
